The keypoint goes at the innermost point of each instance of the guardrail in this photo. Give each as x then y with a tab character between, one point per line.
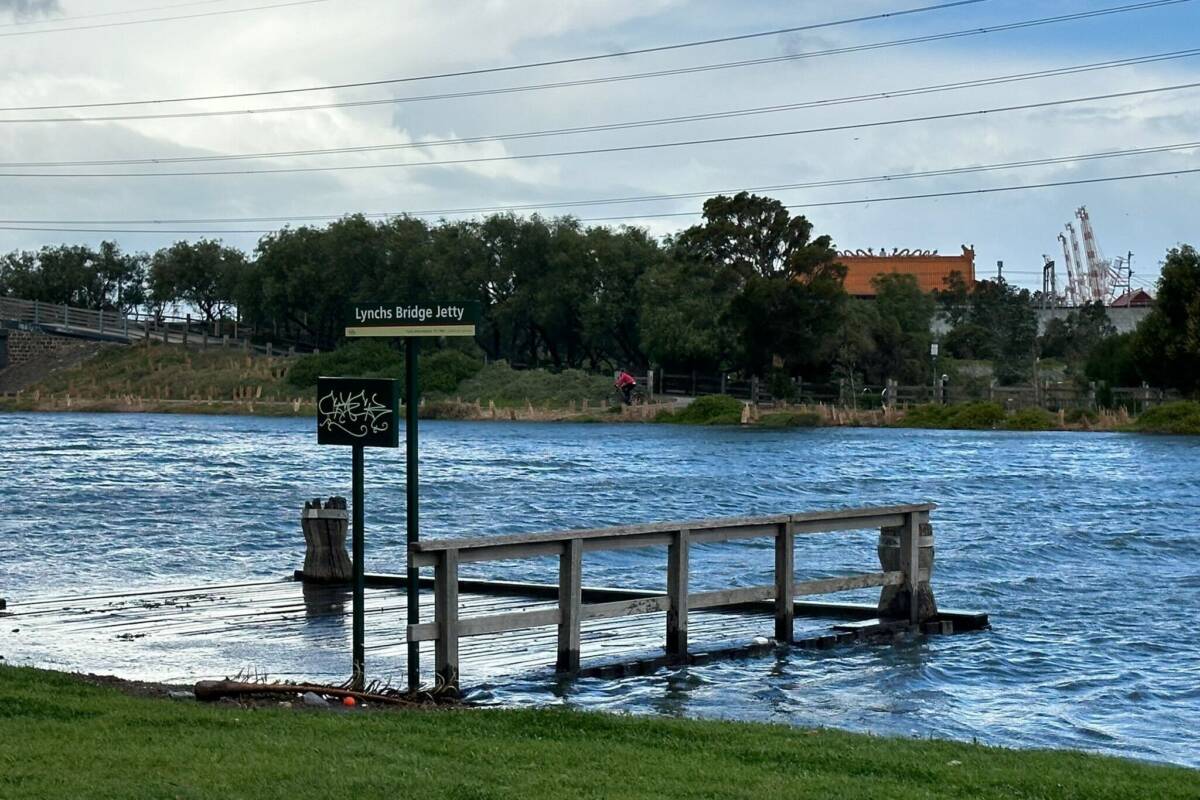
905	550
116	326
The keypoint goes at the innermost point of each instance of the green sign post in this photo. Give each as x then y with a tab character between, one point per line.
358	412
413	321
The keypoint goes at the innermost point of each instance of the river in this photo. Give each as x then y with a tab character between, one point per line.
1084	549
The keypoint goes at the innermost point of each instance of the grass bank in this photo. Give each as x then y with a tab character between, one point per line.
64	738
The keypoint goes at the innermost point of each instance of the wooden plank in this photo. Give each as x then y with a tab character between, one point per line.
570	600
731	597
867	516
624	608
445	610
847	582
785	579
677	595
910	562
481	626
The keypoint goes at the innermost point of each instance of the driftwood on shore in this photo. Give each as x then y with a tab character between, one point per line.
212	691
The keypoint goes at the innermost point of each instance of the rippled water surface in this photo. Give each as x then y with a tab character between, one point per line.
1085	550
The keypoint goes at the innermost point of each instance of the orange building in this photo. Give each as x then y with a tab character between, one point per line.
929	268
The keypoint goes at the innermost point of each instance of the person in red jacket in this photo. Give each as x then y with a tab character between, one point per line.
625	383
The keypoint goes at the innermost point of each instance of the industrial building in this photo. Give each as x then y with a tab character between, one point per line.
929	268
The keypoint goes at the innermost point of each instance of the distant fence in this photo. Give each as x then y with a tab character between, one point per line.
115	326
1050	395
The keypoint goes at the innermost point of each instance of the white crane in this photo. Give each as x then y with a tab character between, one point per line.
1071	288
1098	268
1082	288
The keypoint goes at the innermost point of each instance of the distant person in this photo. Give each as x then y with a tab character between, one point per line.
625	383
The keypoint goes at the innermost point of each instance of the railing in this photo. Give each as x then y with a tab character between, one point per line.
166	328
906	529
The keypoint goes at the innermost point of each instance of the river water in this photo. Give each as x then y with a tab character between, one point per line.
1084	549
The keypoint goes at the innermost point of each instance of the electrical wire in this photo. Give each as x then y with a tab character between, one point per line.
635	217
886	178
197	15
52	20
615	149
612	126
606	79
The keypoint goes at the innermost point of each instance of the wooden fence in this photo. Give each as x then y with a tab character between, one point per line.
904	532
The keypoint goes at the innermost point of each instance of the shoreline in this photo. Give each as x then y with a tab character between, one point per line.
781	418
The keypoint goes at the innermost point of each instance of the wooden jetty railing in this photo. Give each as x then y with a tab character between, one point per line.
906	543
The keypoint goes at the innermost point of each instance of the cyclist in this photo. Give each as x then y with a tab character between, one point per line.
625	383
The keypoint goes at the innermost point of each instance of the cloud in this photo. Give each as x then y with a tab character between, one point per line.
26	9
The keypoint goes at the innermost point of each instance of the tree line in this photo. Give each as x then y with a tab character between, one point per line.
752	290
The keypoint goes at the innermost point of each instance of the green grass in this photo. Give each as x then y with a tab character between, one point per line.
962	416
1179	418
508	387
171	372
711	409
67	739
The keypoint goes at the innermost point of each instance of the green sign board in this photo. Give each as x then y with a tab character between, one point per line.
448	318
358	411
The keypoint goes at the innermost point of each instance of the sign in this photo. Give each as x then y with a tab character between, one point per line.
358	411
933	349
450	318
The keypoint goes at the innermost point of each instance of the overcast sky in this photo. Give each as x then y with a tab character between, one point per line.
297	44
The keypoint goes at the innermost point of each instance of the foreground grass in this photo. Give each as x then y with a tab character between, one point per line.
64	738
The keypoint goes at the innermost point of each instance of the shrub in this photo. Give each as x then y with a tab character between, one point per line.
786	419
508	387
1082	416
969	416
712	409
1031	419
1179	418
927	416
444	370
365	358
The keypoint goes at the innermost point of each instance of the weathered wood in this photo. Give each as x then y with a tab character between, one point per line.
325	557
731	597
445	601
677	595
483	625
867	516
910	550
625	608
844	583
570	601
785	577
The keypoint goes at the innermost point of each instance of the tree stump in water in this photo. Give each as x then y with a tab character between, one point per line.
894	601
325	556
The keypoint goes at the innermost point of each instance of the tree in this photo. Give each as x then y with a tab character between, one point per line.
788	294
1074	336
1167	342
203	275
998	324
901	329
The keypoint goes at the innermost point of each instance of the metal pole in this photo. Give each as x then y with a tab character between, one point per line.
358	653
412	399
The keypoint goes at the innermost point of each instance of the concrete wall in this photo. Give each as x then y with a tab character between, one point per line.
1123	319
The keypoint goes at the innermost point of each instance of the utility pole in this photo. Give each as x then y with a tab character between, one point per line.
999	270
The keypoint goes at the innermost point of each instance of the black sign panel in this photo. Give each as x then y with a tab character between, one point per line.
446	318
362	411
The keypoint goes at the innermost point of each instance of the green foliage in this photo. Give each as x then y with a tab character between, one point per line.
64	738
364	358
791	419
711	409
1166	347
966	416
1112	362
443	370
1178	418
76	275
1031	419
203	275
997	323
508	387
1074	337
1081	416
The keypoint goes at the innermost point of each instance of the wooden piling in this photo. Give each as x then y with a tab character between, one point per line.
445	605
677	595
785	582
570	601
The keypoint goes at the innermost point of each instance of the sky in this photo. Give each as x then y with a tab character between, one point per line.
68	52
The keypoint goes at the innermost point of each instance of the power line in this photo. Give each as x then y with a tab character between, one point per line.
50	20
612	126
886	178
525	88
197	15
614	149
822	204
532	64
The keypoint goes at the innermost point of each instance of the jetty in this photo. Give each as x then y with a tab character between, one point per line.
486	631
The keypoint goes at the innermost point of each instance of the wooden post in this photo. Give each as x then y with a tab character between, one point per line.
570	599
785	581
914	598
910	554
445	609
677	592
